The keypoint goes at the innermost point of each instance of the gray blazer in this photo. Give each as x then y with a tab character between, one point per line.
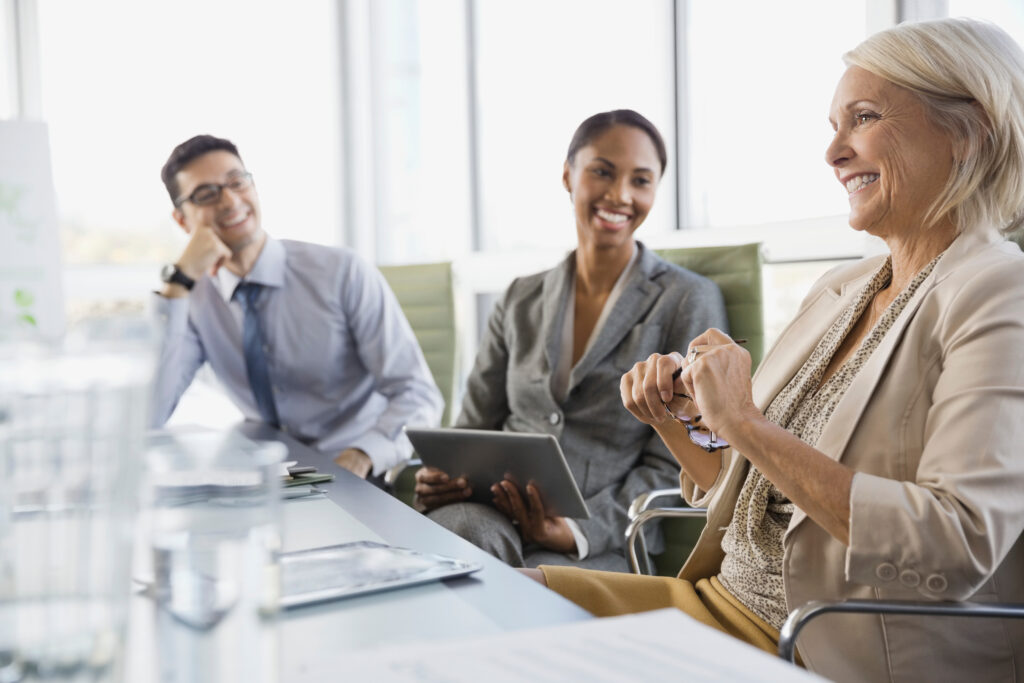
613	456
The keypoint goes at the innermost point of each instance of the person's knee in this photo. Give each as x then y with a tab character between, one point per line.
484	527
535	574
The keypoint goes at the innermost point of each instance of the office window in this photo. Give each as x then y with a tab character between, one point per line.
421	138
543	67
1007	14
759	93
8	64
123	82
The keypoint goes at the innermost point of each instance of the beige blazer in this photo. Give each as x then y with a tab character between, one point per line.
933	425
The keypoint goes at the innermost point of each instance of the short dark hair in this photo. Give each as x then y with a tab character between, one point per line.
599	123
185	153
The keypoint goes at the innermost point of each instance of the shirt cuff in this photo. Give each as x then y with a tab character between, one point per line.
383	452
172	314
582	545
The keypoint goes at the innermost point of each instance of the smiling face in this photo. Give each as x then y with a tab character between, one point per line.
888	154
235	218
612	181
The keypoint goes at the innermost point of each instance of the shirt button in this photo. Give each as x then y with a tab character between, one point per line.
554	418
910	578
936	583
885	571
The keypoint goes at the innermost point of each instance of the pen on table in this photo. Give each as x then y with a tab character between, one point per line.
701	349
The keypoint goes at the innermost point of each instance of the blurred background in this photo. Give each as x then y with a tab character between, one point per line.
435	130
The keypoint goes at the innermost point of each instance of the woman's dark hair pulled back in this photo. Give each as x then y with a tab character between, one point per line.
599	123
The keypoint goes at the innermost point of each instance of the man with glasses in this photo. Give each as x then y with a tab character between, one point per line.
306	338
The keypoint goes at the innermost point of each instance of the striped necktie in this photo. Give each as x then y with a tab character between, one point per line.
253	343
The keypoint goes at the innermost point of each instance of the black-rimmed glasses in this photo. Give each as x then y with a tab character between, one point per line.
699	434
210	193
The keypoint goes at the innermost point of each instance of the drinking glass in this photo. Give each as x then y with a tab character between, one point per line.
72	415
211	505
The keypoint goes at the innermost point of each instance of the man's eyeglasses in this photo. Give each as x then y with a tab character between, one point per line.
210	193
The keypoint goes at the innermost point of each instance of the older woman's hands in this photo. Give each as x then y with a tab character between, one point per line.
649	385
716	373
716	377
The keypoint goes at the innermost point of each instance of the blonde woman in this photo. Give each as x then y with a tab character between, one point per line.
879	451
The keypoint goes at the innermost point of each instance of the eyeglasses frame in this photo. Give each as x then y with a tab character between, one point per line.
245	176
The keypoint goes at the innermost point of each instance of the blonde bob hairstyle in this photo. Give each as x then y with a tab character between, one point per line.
970	76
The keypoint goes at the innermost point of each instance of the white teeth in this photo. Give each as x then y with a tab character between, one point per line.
612	217
235	221
854	184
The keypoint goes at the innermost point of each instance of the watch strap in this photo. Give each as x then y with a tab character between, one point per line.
178	277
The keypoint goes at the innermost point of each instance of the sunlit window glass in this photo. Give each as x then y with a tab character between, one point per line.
1007	14
758	96
119	94
424	197
543	67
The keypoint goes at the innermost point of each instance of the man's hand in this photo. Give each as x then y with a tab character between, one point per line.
435	488
204	253
552	533
355	461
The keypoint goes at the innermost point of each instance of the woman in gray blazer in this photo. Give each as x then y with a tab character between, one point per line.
554	350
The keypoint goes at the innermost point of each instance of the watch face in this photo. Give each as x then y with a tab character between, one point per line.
167	272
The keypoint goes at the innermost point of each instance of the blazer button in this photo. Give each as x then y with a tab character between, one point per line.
910	578
554	418
936	583
886	571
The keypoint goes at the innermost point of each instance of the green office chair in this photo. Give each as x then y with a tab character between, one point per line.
426	294
427	297
737	272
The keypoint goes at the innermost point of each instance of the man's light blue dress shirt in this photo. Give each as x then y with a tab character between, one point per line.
345	367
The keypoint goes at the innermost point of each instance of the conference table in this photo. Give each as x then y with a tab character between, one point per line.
311	643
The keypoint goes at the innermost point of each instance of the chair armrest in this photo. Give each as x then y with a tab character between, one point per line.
391	476
636	525
644	500
800	617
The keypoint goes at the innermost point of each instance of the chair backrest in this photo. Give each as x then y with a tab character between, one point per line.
737	272
427	297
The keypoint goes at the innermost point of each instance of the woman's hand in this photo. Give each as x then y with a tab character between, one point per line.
649	385
528	515
716	373
435	488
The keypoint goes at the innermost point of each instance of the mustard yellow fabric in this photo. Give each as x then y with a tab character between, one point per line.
609	594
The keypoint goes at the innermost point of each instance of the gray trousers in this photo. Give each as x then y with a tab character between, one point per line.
485	527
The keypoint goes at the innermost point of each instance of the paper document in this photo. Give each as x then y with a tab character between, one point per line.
661	645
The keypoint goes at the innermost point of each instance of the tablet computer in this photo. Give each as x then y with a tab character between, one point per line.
486	457
350	569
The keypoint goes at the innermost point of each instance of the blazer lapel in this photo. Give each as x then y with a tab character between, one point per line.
851	406
839	429
799	339
637	297
556	283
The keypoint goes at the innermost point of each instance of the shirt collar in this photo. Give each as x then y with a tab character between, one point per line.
267	271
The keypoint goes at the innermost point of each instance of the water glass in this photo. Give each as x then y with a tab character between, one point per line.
72	416
213	507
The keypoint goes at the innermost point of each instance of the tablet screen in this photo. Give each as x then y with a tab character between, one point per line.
358	568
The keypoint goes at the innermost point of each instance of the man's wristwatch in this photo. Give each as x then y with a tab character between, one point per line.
171	273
